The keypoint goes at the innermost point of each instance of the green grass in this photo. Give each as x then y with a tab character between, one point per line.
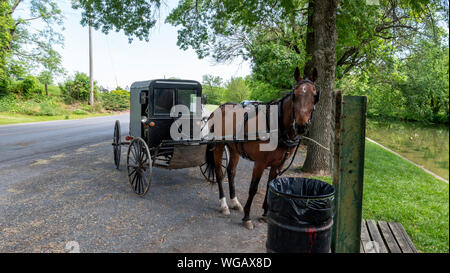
395	190
9	118
211	107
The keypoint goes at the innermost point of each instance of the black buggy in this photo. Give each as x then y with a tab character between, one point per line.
149	141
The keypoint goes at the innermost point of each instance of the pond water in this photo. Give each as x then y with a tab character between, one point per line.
426	145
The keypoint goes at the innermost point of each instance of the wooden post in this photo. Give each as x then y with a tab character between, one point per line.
334	148
348	172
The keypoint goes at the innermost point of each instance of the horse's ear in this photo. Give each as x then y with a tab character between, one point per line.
297	75
314	75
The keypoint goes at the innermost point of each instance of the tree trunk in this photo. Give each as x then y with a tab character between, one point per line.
46	89
309	66
324	58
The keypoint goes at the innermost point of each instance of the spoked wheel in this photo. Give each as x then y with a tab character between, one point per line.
139	166
209	172
117	147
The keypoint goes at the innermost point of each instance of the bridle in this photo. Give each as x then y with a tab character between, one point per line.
298	130
284	137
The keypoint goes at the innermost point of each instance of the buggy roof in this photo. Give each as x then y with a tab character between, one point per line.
148	84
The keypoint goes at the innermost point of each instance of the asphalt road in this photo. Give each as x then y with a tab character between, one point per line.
58	185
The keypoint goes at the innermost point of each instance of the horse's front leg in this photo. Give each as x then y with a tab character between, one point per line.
272	175
258	170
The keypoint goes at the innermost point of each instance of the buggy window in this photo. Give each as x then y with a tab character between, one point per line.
188	98
163	100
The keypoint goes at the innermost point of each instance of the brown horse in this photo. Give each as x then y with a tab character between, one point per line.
296	110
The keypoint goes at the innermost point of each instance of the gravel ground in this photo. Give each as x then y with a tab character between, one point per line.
75	194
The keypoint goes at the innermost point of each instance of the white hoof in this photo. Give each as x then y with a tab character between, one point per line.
225	211
248	224
236	205
224	207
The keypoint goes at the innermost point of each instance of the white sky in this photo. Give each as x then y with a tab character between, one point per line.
116	59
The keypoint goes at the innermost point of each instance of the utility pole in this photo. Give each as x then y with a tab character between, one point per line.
91	66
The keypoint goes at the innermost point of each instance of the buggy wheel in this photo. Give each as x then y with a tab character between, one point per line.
117	146
139	166
209	173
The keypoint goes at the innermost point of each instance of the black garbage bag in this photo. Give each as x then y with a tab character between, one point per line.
300	201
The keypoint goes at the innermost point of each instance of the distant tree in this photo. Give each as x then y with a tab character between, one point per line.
6	23
46	78
77	88
28	34
236	90
412	87
211	80
213	88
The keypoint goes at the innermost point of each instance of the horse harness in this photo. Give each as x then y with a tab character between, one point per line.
283	133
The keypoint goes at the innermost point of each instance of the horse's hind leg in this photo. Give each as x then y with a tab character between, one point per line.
258	170
231	171
219	178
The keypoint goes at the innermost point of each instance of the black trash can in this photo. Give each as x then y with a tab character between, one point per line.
300	215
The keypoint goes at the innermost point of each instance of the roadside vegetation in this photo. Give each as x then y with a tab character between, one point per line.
26	100
30	32
395	190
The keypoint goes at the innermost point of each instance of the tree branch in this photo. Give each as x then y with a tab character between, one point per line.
16	3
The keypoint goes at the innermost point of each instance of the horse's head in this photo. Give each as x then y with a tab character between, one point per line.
304	96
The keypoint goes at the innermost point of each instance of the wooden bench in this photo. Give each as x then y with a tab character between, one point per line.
385	238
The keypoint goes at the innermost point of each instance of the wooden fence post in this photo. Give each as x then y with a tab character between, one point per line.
348	172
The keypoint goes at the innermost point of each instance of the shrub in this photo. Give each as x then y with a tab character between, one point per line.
50	108
40	105
7	102
116	100
86	108
5	82
29	87
14	87
77	89
27	108
79	112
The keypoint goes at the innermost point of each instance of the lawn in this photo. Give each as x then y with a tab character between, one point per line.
396	190
9	118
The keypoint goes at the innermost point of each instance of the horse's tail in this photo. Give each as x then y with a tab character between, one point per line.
210	170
